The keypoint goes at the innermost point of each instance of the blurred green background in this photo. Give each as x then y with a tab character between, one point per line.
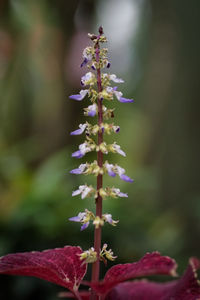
154	46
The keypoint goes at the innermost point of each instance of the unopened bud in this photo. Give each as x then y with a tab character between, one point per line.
92	36
100	30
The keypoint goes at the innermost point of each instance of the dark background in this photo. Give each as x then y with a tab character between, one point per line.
154	45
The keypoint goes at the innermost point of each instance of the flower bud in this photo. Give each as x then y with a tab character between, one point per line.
89	256
100	30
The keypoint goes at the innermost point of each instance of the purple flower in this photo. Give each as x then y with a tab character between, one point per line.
84	226
81	129
117	149
115	169
83	149
114	78
118	94
82	218
78	218
79	170
78	154
91	113
125	100
126	178
87	78
85	61
86	57
119	97
108	218
91	110
118	193
109	168
121	173
84	190
79	96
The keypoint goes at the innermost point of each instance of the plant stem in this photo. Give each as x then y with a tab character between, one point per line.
97	231
78	297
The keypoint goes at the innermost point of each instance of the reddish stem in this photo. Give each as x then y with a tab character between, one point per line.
97	231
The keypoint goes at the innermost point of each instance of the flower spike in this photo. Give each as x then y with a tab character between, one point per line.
99	89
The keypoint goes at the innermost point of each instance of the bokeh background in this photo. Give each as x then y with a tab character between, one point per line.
154	46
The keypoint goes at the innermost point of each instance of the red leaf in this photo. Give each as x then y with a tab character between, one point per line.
83	295
150	264
61	266
138	290
186	288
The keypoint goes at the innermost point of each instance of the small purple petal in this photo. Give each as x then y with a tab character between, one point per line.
125	100
114	78
77	154
84	226
85	61
75	219
85	79
111	173
109	221
79	170
76	97
76	132
76	171
80	130
118	129
92	113
79	96
126	178
115	88
122	195
93	67
108	218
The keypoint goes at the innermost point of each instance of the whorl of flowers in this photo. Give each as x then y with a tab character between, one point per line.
100	87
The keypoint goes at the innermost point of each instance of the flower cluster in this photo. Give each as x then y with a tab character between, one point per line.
98	87
85	217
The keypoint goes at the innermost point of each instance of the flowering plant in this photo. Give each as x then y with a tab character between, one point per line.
67	266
